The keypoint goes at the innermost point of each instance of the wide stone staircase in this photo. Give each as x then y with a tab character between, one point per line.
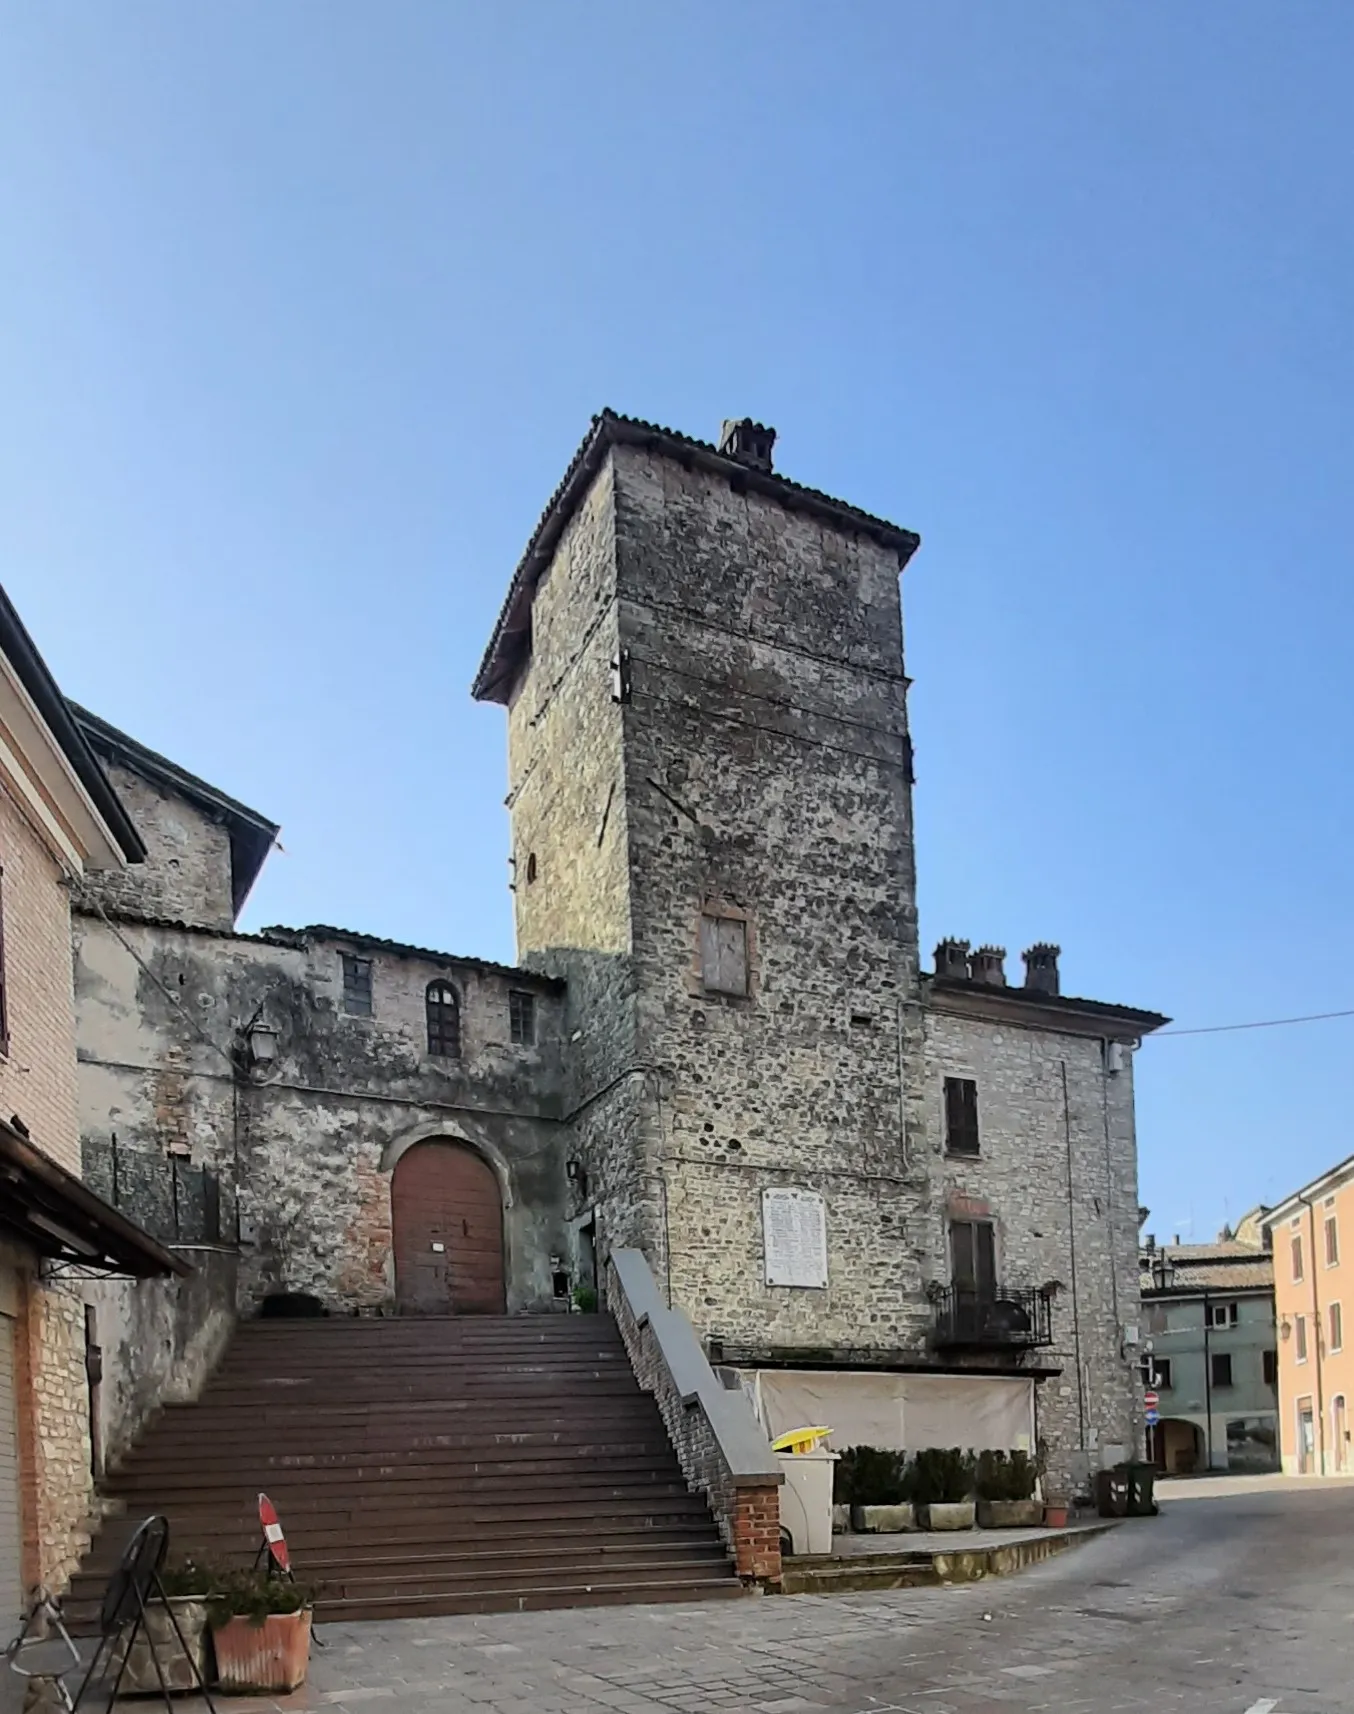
426	1466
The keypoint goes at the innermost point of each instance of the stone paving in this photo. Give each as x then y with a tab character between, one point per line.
1238	1602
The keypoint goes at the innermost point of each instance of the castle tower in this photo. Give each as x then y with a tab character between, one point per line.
710	793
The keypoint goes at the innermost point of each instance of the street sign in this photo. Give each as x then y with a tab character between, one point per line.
1150	1399
1153	1418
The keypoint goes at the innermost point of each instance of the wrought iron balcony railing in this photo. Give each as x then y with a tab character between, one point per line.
992	1317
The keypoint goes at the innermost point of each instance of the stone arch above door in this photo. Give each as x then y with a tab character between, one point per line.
446	1207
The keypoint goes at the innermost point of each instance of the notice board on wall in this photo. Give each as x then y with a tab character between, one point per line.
794	1238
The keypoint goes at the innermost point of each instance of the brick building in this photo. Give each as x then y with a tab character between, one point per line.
60	823
907	1197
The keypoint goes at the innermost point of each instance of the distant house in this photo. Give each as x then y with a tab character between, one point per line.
1309	1232
1208	1313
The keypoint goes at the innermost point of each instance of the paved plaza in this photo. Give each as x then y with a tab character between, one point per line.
1238	1599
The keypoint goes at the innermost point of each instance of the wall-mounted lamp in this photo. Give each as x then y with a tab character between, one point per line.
262	1041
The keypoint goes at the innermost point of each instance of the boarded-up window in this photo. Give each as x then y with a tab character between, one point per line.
961	1116
724	955
357	986
973	1255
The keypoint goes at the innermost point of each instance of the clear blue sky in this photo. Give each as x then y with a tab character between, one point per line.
305	306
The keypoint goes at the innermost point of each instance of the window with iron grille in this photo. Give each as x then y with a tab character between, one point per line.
961	1116
1222	1368
522	1017
356	986
443	1007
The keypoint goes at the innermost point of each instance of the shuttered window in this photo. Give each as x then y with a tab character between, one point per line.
443	1007
973	1256
724	955
961	1116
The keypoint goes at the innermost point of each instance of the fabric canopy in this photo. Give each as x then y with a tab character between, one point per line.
902	1412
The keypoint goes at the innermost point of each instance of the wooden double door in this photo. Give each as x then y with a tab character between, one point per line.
447	1228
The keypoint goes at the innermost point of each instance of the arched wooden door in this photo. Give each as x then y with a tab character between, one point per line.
447	1223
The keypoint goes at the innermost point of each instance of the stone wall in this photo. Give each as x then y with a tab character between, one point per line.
309	1145
160	1341
767	779
1060	1183
186	876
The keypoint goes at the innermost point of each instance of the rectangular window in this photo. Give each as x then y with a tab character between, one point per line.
1337	1329
973	1256
724	955
1222	1314
522	1017
1300	1338
961	1116
1297	1258
1161	1372
1269	1368
1222	1368
1332	1242
356	986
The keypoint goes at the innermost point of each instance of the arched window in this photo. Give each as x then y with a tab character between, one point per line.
444	1020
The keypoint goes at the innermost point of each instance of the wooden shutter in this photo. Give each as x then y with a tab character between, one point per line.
961	1116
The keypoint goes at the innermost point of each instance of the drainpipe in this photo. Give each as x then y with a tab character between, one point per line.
1318	1339
1208	1385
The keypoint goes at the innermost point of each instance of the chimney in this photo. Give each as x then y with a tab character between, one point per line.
1041	967
749	442
988	964
952	960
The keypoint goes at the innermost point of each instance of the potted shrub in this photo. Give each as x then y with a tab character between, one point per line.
873	1482
1004	1483
943	1487
186	1589
260	1631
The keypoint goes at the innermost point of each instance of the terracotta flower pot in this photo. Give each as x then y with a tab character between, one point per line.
1055	1517
270	1656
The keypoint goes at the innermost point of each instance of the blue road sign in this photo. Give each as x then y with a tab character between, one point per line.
1153	1418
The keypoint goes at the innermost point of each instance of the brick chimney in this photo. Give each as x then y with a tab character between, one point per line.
952	960
749	442
1041	967
988	964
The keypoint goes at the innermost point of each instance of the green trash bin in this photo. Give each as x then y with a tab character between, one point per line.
1112	1492
1141	1479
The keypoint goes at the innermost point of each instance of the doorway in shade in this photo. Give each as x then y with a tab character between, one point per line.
447	1225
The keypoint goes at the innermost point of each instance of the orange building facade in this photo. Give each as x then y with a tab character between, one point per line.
1312	1233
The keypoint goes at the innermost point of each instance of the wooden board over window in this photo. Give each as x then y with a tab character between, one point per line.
724	955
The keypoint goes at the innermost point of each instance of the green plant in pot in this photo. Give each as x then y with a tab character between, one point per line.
260	1631
943	1481
1005	1483
875	1483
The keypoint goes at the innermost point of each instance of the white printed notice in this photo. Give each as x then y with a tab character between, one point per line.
794	1238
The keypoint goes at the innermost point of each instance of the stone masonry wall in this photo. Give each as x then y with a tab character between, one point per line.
186	876
311	1150
570	844
1085	1239
767	775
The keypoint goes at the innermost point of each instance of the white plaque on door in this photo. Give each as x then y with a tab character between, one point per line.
794	1238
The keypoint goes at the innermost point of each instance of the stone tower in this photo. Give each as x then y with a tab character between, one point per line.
712	839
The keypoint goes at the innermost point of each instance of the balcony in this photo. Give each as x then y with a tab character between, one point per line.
991	1318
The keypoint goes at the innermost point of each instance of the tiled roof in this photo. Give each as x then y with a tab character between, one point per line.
283	936
1225	1265
610	428
1066	1005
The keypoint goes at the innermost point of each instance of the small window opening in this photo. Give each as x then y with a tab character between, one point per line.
443	1008
531	868
522	1017
356	986
961	1116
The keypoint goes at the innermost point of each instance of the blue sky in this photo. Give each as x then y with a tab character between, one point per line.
304	308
